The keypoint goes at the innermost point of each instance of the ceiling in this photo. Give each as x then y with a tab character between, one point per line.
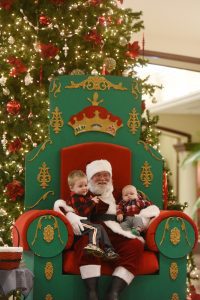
172	38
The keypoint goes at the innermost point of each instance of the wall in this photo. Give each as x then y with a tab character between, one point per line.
186	175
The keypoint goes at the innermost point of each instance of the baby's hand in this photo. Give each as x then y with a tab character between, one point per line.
120	218
95	199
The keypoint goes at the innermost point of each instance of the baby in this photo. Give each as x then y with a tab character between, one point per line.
129	208
84	204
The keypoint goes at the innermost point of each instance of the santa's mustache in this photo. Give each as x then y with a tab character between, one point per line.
102	188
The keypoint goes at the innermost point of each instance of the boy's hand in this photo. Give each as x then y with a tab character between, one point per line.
95	199
120	218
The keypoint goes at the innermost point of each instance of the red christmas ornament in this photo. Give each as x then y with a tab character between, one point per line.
13	107
6	4
94	37
48	50
57	2
95	2
143	105
133	50
14	146
119	21
14	189
104	21
44	20
18	66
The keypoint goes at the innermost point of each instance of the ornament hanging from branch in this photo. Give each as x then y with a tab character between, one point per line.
14	146
94	37
44	20
18	66
133	50
48	50
14	190
65	49
28	79
6	4
13	107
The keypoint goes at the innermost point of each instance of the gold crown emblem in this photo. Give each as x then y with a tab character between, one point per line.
95	118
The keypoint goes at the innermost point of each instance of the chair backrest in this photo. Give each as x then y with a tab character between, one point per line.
78	156
92	117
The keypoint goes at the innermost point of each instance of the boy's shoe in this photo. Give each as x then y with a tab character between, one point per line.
110	254
94	250
135	231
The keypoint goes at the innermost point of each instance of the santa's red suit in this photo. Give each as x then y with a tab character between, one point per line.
128	246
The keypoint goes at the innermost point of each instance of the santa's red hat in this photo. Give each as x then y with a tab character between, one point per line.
97	166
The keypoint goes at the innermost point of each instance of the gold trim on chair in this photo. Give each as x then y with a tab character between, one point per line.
42	148
44	176
48	270
175	296
175	236
43	197
96	83
173	270
146	176
133	121
48	232
48	297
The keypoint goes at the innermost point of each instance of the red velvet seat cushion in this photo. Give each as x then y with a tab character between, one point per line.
148	264
78	156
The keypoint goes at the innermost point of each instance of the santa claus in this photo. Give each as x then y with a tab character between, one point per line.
128	246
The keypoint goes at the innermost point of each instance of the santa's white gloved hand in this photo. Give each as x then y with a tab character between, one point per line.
61	206
75	221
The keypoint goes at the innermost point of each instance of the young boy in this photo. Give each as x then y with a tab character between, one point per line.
84	204
128	209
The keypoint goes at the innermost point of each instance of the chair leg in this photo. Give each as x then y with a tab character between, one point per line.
92	285
117	286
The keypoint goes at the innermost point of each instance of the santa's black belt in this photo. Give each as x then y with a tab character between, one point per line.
105	217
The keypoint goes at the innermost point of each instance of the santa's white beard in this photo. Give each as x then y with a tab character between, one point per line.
100	189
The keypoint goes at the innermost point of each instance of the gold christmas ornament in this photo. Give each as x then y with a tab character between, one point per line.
77	72
110	64
123	41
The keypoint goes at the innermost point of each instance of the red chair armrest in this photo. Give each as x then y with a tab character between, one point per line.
25	220
151	231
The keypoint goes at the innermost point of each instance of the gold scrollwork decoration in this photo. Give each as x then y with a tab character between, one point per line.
97	83
173	270
48	270
42	148
56	121
44	176
43	197
175	296
136	90
183	227
133	121
48	297
49	231
147	148
56	87
175	235
146	176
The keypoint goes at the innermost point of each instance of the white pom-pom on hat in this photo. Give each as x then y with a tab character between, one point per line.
96	166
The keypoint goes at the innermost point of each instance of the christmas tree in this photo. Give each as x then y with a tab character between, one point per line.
40	40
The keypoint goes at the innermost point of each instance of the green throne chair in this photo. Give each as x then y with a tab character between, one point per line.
97	117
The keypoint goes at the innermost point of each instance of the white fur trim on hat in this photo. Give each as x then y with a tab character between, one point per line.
97	166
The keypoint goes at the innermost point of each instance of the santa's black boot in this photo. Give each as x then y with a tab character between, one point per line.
92	285
117	286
